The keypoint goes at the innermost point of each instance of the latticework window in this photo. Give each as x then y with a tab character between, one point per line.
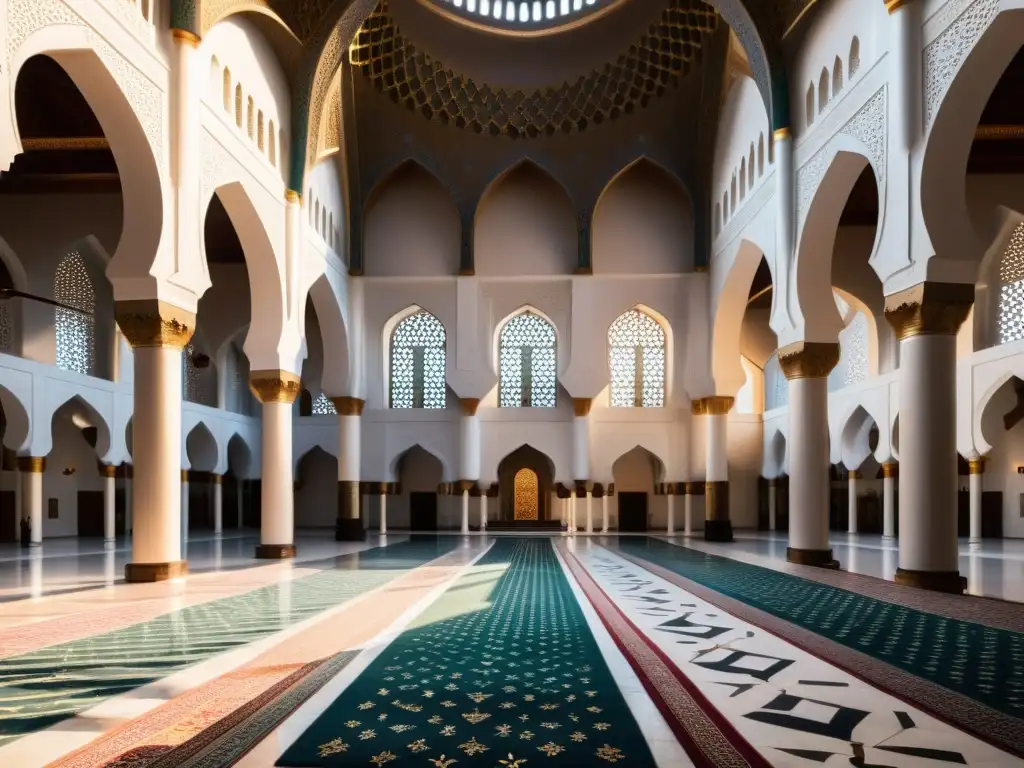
637	360
418	362
323	406
527	363
192	382
75	330
853	342
526	495
6	329
1011	292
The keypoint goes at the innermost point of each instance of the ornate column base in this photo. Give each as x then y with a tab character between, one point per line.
718	530
275	551
950	582
819	558
349	529
142	573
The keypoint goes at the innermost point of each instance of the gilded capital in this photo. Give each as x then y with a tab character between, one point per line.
718	405
152	323
976	466
108	470
781	134
929	309
186	37
217	479
894	5
34	464
348	406
854	474
808	359
291	196
890	470
274	386
581	405
469	405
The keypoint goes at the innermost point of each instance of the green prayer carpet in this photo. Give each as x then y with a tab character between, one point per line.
980	662
501	670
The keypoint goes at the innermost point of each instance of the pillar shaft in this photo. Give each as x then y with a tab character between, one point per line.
590	513
383	512
277	391
218	504
926	319
773	503
977	476
806	366
671	525
184	505
688	511
469	442
31	469
109	473
604	512
483	510
715	410
572	510
464	523
889	501
349	525
851	507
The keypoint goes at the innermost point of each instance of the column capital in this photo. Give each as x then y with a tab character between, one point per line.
808	359
694	488
274	386
891	469
348	406
581	406
716	405
854	474
153	323
773	482
108	470
469	405
929	309
781	134
216	479
464	486
894	5
33	464
291	196
185	37
976	466
184	476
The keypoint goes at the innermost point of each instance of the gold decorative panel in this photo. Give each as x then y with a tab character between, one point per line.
526	498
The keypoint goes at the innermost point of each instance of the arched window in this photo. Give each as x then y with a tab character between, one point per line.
809	107
6	318
75	327
323	406
636	356
732	195
259	130
1011	291
743	178
418	362
750	168
760	156
330	230
718	219
837	76
227	90
250	120
238	105
854	56
823	91
272	153
526	363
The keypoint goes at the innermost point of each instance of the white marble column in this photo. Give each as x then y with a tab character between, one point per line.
773	503
926	319
31	469
806	365
670	500
349	526
572	509
688	510
604	510
276	390
590	514
218	504
851	507
889	472
715	411
109	472
184	504
382	494
483	509
129	500
464	524
240	505
977	476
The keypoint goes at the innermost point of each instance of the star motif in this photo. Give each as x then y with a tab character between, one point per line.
526	735
503	730
382	716
578	736
610	754
524	718
333	747
595	710
550	726
402	728
383	757
529	697
367	734
367	705
383	692
602	726
550	749
507	705
512	762
472	747
352	723
451	687
447	703
571	697
418	746
548	706
428	694
448	730
442	763
591	694
435	720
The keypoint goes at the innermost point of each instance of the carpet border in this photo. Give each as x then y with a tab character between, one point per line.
634	646
984	723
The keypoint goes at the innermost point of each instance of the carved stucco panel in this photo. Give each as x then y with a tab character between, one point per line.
131	14
944	56
219	166
24	17
868	126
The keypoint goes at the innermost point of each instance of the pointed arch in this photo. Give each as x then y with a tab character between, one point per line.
239	101
775	456
327	294
239	456
625	470
760	156
809	105
527	361
837	77
823	97
750	168
854	56
16	426
420	450
743	178
855	438
86	416
637	353
226	85
201	449
416	361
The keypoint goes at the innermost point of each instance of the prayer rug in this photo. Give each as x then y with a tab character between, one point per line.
501	670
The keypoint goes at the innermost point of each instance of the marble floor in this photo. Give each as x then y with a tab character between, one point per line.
239	662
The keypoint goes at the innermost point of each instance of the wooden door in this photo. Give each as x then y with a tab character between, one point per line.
423	511
632	512
90	513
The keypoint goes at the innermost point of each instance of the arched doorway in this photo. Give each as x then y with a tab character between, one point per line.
525	483
526	495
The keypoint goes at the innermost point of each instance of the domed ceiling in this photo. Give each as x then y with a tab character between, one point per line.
522	16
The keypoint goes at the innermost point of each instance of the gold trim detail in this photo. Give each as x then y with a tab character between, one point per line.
976	466
348	406
152	323
469	405
781	134
275	386
808	359
291	196
60	143
184	36
216	479
717	405
929	309
854	474
701	268
890	470
34	464
773	482
581	406
184	475
108	470
894	5
988	133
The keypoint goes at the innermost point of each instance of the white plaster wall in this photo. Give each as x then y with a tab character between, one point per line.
411	227
323	205
316	494
744	124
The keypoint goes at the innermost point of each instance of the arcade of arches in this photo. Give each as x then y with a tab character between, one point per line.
507	382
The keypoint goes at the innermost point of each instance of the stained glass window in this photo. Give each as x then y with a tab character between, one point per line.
636	344
418	362
75	331
1011	292
527	363
323	406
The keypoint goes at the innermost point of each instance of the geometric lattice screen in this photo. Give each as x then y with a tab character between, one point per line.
75	331
323	406
418	362
1011	292
636	344
526	363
